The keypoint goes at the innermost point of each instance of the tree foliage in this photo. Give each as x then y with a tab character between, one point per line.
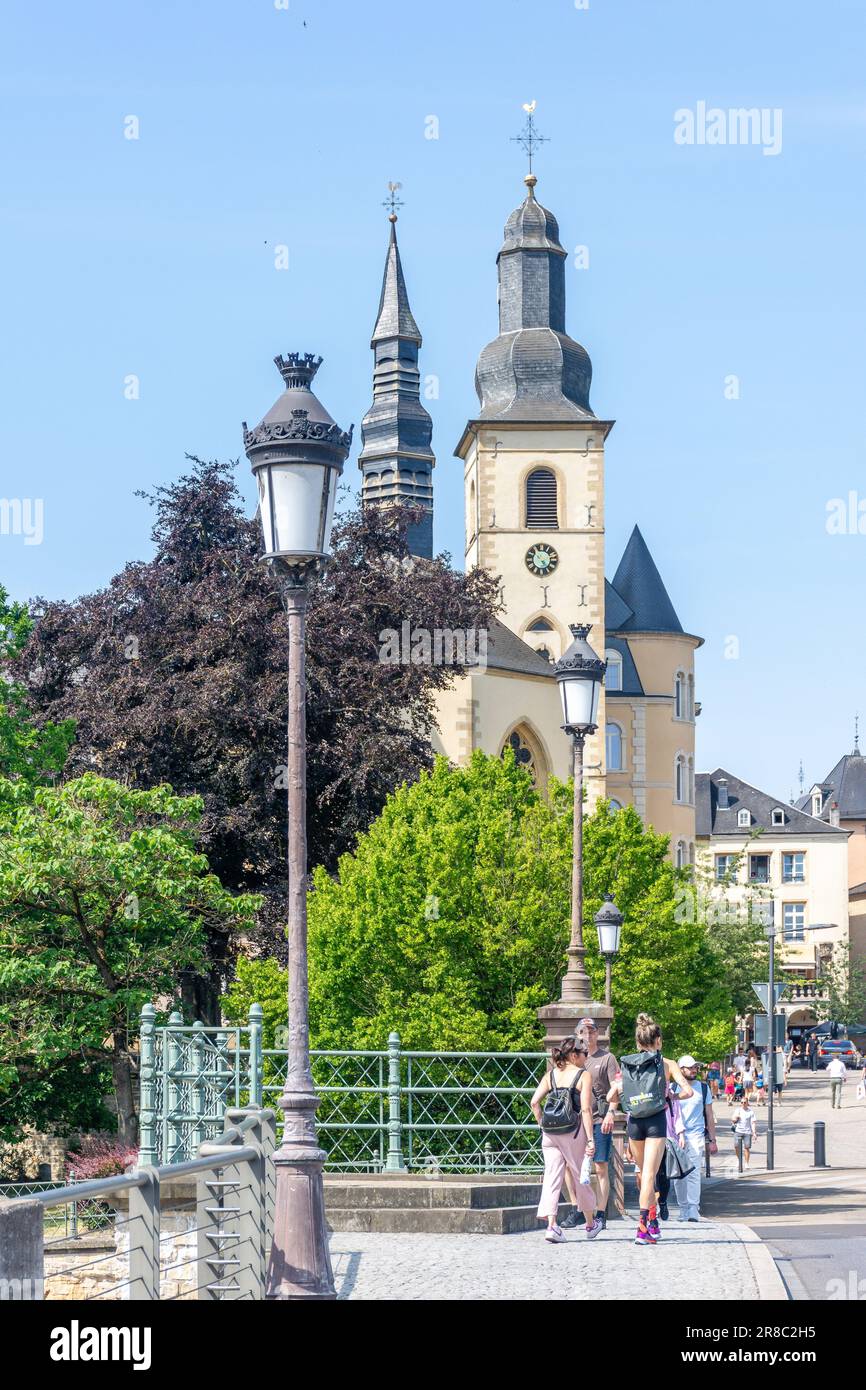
845	979
104	899
176	673
26	750
450	919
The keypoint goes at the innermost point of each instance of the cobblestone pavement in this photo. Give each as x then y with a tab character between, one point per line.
708	1260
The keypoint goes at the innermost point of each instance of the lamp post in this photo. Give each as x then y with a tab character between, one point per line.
608	924
770	931
579	674
297	454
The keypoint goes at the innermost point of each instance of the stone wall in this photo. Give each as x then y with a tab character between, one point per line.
96	1265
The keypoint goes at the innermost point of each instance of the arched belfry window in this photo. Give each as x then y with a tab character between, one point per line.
541	508
527	754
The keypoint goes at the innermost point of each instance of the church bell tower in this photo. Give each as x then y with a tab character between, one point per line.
533	456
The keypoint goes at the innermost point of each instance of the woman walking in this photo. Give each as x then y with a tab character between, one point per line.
562	1106
646	1079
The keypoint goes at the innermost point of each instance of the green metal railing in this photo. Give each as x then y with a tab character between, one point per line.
387	1110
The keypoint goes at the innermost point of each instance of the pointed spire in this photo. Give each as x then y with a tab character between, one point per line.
395	319
856	752
639	584
396	460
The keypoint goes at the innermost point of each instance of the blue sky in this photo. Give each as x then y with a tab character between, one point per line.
262	126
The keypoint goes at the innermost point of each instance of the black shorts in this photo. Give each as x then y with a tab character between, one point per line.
648	1126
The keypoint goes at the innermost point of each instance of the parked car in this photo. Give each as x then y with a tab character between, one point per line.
843	1048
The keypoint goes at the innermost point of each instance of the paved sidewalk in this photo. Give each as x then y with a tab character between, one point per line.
806	1099
710	1260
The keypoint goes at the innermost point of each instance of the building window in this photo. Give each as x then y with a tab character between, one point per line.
613	674
817	803
724	867
680	778
744	819
692	853
681	854
614	806
759	868
690	701
545	652
541	499
778	816
679	696
691	781
794	921
540	625
613	747
794	867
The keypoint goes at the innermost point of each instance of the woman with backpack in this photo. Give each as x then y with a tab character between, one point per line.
646	1079
562	1106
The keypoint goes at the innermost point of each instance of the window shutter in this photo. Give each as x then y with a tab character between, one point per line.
541	499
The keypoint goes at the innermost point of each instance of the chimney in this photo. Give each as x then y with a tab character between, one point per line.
834	813
722	786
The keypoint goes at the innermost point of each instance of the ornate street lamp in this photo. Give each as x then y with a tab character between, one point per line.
580	673
297	455
608	924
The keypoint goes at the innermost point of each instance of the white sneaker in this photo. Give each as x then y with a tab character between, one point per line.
593	1229
554	1235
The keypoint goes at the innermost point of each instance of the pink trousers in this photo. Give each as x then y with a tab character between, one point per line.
562	1151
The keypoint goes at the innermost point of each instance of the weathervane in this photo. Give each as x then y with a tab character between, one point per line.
392	201
529	138
856	733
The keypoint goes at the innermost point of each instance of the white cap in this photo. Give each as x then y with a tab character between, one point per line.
687	1061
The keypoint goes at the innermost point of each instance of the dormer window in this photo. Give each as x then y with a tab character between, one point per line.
744	819
817	803
778	816
613	674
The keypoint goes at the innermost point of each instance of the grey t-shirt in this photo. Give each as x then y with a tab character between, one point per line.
602	1067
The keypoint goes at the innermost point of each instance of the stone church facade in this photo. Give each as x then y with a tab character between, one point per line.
533	460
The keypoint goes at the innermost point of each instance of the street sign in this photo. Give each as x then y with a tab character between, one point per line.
763	992
762	1030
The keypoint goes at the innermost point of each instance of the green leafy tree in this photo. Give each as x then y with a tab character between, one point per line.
450	920
104	900
26	751
845	978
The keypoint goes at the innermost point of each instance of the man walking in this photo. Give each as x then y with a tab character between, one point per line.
813	1052
838	1074
603	1068
700	1130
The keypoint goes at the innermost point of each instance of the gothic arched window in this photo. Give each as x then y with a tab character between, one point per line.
541	508
527	753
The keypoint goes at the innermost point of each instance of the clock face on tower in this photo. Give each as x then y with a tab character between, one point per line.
541	558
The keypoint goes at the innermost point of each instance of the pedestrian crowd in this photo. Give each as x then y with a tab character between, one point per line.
670	1128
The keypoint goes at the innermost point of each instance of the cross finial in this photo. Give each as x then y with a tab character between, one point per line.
392	201
529	138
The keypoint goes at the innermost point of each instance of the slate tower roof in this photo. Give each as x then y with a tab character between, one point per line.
396	459
533	371
644	605
843	787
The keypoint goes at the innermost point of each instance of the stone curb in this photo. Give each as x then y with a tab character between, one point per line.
771	1285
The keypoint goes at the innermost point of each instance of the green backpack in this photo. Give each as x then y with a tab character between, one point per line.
643	1084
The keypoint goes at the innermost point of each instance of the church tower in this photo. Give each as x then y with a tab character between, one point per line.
396	459
534	456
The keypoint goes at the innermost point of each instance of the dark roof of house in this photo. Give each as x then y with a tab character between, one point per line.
713	819
616	610
631	681
508	652
639	587
845	786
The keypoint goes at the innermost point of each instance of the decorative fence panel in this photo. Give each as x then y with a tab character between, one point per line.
387	1110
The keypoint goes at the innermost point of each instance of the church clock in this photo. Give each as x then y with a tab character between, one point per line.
541	559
